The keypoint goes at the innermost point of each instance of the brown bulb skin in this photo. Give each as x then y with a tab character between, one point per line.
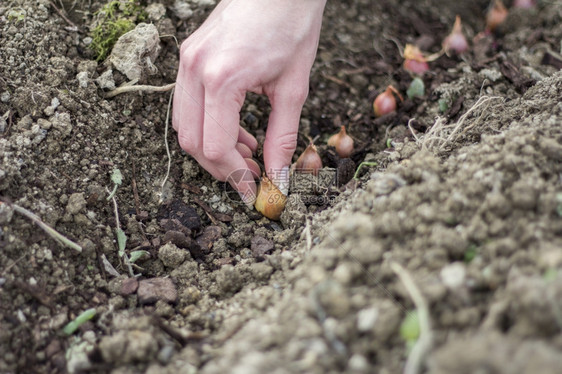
496	16
309	162
384	103
525	4
416	67
456	41
270	201
342	142
414	60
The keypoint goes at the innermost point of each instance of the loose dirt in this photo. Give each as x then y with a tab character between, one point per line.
466	195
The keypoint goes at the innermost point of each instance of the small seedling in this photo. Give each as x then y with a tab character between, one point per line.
121	241
364	163
416	89
117	179
84	317
137	255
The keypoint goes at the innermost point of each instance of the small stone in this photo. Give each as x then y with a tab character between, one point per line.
134	52
261	246
83	79
366	319
453	275
105	80
208	237
76	203
5	96
129	286
154	289
177	238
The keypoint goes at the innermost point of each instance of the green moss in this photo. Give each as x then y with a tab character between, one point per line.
113	20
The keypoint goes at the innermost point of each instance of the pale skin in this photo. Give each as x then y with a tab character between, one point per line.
261	46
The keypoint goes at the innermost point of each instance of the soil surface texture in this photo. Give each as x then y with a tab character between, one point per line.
436	247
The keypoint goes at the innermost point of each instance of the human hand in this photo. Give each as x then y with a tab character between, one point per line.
261	46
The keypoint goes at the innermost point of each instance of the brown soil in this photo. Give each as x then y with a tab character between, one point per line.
467	198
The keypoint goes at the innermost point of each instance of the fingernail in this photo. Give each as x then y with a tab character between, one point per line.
281	180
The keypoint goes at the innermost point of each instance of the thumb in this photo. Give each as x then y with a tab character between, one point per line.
281	136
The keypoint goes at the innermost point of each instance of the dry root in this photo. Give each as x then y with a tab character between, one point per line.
441	134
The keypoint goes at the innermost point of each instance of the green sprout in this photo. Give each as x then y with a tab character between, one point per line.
114	19
416	89
85	316
364	163
121	241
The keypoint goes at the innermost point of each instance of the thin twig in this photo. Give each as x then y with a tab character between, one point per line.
139	87
60	12
425	340
167	146
48	229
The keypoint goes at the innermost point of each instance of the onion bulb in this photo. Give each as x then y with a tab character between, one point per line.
342	142
496	15
414	60
455	41
385	102
270	201
309	161
525	4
